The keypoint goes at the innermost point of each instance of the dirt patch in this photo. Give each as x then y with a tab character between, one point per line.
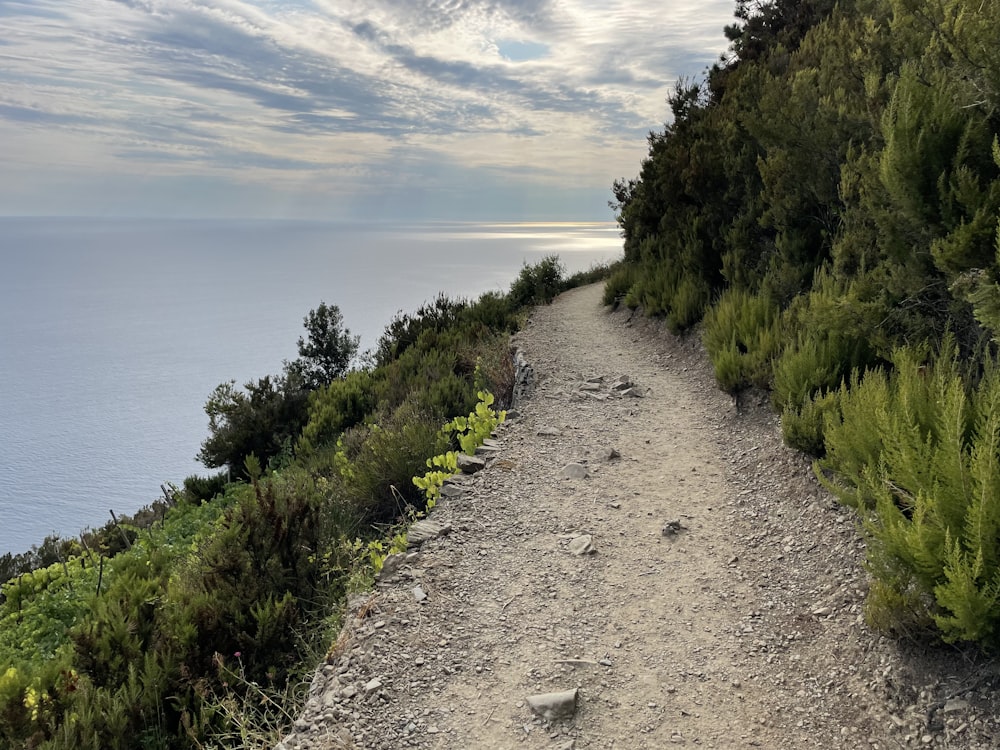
720	605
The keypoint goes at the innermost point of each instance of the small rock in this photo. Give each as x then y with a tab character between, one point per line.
610	454
373	685
575	471
349	692
673	527
390	566
583	545
453	489
821	611
549	432
469	464
419	594
425	530
590	387
622	384
552	706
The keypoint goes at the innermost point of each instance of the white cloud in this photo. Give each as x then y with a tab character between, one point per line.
333	98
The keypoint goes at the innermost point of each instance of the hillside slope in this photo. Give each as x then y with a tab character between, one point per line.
744	628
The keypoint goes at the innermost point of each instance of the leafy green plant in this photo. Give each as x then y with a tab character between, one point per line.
469	432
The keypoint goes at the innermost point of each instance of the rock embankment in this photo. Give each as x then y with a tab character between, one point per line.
635	565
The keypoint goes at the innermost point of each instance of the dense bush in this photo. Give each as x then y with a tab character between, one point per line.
841	164
404	329
923	468
537	284
618	284
199	488
743	336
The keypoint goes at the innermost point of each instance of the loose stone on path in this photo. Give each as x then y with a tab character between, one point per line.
575	471
553	706
583	545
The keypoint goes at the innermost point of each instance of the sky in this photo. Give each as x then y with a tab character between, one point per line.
338	109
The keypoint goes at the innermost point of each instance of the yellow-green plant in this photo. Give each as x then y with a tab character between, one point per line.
470	432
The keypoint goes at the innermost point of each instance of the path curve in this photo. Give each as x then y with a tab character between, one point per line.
743	629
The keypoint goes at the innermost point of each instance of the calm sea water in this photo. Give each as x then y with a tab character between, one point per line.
114	332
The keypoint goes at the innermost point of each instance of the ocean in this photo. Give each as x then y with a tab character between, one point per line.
114	332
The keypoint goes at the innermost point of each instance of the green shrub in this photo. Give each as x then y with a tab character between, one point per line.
918	451
376	465
597	272
815	362
491	313
802	427
537	284
743	336
469	432
335	408
687	304
619	284
653	290
404	329
200	489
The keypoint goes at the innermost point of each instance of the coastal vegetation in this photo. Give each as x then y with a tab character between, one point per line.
824	204
194	623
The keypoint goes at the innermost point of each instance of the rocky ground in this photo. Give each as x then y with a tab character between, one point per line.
654	556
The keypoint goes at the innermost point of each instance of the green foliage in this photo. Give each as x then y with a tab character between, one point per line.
834	183
327	352
742	335
337	407
261	419
405	329
537	284
597	272
621	280
199	489
469	432
918	451
802	427
377	462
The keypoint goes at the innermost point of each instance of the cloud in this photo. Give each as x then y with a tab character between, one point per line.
337	96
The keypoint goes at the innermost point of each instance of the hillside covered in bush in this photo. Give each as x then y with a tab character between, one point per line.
193	624
825	203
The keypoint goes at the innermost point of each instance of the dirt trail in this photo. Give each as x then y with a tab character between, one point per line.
742	629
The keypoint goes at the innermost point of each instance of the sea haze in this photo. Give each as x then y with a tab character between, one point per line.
114	332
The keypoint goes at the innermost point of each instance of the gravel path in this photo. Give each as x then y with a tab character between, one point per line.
721	609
